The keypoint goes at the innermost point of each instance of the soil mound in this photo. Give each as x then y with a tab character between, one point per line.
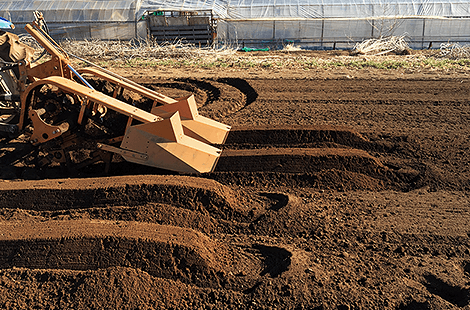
203	195
162	251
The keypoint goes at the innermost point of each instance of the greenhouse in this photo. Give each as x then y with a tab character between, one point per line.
307	23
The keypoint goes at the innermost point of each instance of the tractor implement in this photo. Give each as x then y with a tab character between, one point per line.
64	115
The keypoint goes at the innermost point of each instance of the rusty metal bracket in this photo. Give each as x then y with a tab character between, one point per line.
44	132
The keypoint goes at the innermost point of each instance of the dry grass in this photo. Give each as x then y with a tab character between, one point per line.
455	51
178	54
395	44
291	48
126	50
29	40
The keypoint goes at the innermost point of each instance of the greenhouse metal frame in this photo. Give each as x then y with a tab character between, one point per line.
259	23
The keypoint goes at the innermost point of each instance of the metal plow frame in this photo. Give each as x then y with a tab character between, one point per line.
157	142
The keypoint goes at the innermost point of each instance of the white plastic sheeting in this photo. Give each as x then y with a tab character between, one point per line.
342	33
288	9
78	18
329	23
75	11
311	23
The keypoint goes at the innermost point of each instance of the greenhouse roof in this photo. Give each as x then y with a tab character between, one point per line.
69	11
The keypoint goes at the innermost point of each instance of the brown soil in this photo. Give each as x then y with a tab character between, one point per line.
336	189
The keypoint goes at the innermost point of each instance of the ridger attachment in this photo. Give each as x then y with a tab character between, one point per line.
72	123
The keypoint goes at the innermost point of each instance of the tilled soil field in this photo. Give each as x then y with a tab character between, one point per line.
336	189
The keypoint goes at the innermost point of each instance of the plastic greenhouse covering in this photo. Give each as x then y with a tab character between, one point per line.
311	23
248	9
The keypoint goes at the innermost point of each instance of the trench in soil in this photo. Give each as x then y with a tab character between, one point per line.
156	224
321	157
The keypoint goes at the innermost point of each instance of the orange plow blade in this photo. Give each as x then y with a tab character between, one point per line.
166	146
196	126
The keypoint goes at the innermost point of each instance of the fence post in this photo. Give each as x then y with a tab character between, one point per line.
422	37
322	29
